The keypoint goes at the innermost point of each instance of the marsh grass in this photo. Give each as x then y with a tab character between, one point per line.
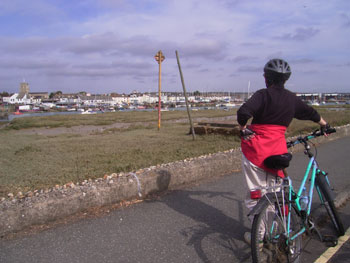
30	162
108	118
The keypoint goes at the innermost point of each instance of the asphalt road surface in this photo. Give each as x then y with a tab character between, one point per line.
199	223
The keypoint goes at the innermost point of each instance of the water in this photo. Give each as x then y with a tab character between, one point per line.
40	114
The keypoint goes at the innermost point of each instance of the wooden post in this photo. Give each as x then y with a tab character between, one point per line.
186	99
159	94
159	58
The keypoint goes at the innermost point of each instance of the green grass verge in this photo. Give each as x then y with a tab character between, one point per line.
31	162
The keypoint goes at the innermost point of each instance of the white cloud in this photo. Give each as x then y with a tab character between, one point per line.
113	43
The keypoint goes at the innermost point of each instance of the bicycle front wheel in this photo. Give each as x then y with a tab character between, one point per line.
269	240
327	201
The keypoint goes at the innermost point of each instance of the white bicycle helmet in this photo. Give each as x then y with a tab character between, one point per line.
277	68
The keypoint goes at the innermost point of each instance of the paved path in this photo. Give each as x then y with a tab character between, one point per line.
339	253
203	223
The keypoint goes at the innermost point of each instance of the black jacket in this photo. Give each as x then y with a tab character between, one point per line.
275	105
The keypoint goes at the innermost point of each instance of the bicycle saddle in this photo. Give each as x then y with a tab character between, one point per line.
278	162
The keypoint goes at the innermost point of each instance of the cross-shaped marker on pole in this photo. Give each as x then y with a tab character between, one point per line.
159	58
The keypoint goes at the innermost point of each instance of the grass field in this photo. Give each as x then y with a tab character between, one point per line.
32	161
108	118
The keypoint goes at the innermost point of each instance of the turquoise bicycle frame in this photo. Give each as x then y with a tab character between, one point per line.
313	169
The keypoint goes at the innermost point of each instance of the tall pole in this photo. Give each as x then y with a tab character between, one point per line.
159	58
186	99
159	94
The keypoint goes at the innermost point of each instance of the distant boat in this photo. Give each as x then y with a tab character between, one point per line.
314	103
226	105
230	105
89	111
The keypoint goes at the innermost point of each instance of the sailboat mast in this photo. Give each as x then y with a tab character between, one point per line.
248	89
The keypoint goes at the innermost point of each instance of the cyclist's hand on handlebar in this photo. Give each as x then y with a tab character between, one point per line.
247	134
326	129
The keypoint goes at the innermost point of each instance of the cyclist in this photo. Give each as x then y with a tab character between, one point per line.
272	110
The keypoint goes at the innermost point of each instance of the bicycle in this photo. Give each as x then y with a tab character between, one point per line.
282	215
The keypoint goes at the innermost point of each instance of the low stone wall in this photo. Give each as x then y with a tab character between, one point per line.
38	207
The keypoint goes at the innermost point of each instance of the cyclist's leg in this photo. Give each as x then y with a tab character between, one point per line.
257	178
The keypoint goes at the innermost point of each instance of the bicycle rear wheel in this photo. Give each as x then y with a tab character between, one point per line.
269	241
326	197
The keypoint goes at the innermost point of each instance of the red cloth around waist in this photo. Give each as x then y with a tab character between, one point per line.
268	140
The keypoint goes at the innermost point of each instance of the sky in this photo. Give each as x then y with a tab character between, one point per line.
105	46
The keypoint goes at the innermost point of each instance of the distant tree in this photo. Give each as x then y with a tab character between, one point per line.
4	94
55	94
196	93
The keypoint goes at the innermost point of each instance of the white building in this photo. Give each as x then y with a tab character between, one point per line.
18	99
96	100
121	99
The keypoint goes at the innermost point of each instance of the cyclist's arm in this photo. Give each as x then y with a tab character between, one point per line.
322	122
249	109
305	112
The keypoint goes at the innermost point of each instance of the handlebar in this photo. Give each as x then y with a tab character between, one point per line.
316	133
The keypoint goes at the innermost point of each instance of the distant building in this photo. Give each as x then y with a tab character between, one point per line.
25	97
17	99
324	97
39	95
24	88
97	100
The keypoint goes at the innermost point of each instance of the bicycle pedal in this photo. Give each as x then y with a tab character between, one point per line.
330	241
